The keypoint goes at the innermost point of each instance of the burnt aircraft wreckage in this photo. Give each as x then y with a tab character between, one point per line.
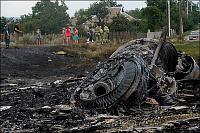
141	68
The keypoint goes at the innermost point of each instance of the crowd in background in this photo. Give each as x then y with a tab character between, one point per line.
17	32
100	35
69	35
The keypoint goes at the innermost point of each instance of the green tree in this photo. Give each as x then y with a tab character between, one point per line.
135	13
152	15
188	22
3	21
160	4
114	3
81	20
119	23
138	25
100	9
52	16
82	16
25	23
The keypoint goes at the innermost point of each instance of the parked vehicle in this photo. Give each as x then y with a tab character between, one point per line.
194	35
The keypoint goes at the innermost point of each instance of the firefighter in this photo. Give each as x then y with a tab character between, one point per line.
105	33
97	34
101	34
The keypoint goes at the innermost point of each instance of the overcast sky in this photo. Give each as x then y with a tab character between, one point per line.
17	8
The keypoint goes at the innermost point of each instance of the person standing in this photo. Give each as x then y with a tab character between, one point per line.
63	35
76	35
97	34
38	36
17	33
68	35
7	33
105	33
101	34
91	35
72	35
88	35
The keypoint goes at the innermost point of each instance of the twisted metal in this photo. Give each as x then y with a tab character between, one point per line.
125	76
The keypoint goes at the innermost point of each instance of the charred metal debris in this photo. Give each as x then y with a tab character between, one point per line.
141	71
145	86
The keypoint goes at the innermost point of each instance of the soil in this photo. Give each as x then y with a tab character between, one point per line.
27	76
36	86
38	62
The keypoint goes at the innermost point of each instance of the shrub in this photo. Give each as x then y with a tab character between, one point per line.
27	39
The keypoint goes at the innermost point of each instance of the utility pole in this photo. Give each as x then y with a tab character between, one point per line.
181	22
169	18
187	8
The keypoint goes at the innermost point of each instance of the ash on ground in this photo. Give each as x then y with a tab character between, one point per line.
36	86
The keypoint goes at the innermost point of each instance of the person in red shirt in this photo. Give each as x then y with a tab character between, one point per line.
68	35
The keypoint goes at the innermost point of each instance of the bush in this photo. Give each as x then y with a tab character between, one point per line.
30	39
27	39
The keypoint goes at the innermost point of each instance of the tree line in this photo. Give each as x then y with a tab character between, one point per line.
50	16
154	16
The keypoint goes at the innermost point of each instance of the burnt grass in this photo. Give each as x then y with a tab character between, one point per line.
36	89
33	62
35	68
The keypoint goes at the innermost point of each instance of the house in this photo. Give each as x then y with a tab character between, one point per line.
73	21
113	12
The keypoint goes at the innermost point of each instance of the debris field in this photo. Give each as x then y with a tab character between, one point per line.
42	92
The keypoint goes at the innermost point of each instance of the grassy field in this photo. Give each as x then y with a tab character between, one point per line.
184	33
91	54
189	47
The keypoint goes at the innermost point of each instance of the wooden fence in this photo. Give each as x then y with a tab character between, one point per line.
126	35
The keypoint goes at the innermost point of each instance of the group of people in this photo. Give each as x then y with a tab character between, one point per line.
17	32
7	33
69	35
101	35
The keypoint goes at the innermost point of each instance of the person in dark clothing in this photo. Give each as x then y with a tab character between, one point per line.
17	33
91	35
7	33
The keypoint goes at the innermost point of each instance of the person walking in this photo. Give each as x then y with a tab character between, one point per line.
38	36
68	35
7	33
17	34
76	35
63	35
